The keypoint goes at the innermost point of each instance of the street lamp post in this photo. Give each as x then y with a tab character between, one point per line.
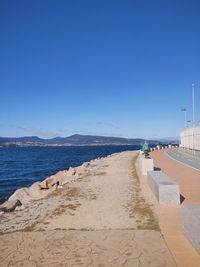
188	137
193	103
193	119
185	116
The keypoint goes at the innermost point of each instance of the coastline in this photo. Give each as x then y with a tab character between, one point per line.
22	166
70	189
10	144
97	215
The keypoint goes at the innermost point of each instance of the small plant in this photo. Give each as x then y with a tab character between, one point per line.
28	228
100	174
40	230
73	192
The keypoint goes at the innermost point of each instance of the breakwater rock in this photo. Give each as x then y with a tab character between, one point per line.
42	197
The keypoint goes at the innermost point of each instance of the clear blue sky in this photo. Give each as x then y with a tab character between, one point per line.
106	67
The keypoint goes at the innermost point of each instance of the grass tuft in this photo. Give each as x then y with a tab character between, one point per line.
139	208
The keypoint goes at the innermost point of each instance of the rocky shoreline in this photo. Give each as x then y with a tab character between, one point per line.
101	194
34	202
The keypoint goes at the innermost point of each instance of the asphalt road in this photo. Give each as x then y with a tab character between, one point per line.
184	158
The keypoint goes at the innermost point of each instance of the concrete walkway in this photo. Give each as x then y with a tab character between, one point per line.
106	248
170	216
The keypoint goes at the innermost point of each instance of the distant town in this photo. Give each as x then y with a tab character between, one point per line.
78	140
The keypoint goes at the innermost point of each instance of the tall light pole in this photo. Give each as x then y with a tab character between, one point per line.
184	141
193	108
193	118
185	111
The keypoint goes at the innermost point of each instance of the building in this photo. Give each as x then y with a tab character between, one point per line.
190	138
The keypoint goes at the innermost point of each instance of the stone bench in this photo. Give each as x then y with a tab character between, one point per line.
191	223
145	164
165	189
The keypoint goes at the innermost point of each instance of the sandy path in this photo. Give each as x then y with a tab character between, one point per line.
107	209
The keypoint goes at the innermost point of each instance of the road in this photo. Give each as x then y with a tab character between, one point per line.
184	158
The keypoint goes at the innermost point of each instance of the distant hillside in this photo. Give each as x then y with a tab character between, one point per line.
76	140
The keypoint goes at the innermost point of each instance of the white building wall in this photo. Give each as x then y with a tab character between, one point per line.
190	138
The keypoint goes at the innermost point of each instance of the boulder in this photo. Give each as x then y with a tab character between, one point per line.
22	207
55	179
61	177
33	192
80	171
22	194
86	164
10	205
44	185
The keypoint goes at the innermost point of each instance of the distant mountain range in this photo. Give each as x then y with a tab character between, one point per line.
76	140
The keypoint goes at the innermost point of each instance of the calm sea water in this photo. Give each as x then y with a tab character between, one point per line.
22	166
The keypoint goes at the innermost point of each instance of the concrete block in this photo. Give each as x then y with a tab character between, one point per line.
191	223
145	164
165	189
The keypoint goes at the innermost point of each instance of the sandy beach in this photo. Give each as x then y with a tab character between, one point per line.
97	216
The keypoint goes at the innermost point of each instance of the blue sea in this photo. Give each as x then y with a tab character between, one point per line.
22	166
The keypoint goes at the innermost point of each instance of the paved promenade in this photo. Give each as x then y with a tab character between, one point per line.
106	248
188	178
170	218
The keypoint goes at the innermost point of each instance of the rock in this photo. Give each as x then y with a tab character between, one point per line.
86	164
72	171
10	205
40	190
33	192
80	171
18	208
22	194
57	179
60	187
1	212
44	185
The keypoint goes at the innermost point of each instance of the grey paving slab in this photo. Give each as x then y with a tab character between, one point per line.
191	223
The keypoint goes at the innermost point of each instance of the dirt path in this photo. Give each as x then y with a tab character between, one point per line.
105	200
